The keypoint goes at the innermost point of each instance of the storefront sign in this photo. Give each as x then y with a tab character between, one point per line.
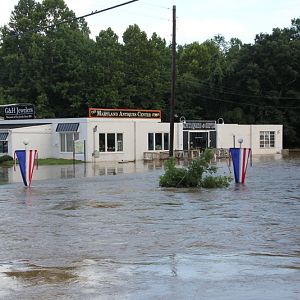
199	125
124	113
19	111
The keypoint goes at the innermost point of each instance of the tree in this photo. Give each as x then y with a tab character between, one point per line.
108	70
42	62
146	69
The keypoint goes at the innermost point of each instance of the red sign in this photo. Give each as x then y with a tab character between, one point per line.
124	113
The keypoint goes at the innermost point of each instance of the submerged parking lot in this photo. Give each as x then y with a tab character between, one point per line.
81	235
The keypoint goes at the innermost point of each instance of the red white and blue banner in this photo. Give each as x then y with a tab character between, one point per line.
27	161
240	158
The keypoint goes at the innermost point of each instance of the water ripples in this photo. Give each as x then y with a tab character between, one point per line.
124	237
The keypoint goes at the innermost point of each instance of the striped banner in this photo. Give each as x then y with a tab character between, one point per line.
240	158
27	160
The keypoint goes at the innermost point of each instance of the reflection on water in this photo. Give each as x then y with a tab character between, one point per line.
9	175
4	175
124	237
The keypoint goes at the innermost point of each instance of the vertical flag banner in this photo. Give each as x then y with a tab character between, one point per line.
240	158
27	160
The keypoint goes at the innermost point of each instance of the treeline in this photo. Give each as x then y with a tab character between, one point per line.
57	66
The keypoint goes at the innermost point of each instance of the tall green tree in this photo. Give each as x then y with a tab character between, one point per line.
108	70
146	68
42	57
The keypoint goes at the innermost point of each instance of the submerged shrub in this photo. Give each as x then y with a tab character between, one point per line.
216	181
5	158
197	174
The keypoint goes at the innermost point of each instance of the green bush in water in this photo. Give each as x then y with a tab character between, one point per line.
5	158
197	174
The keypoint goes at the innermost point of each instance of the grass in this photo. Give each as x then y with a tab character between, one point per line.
57	161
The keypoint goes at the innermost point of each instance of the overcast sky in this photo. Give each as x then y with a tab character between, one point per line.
197	20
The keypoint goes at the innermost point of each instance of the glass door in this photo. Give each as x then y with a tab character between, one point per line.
198	140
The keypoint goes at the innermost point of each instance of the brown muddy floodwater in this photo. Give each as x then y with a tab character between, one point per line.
124	237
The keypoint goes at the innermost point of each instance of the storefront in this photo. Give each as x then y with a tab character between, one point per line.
106	135
199	134
128	134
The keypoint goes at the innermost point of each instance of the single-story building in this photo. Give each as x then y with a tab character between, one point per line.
129	134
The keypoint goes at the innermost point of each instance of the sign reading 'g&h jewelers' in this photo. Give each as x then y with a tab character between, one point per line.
19	111
124	113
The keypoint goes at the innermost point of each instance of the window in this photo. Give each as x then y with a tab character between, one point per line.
102	143
119	142
67	140
3	147
166	141
150	141
267	139
3	142
158	141
110	142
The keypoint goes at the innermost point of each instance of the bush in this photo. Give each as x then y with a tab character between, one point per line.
5	158
216	181
197	174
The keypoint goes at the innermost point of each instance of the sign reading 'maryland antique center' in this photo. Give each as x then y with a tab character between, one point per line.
124	113
19	111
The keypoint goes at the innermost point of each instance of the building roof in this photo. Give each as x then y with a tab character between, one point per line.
12	126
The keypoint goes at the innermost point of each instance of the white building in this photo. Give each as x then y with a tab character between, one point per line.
126	135
107	137
262	139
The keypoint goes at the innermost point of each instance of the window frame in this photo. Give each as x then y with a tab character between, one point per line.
65	140
116	145
3	147
157	141
266	139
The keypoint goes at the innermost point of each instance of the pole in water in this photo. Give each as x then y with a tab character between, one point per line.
172	100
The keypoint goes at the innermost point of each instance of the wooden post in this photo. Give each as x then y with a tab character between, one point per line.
172	100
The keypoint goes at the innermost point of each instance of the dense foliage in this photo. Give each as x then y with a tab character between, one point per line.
199	173
5	158
62	71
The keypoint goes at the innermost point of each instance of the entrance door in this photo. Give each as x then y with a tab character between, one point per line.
198	140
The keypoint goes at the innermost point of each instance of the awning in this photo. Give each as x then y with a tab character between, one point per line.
67	127
3	136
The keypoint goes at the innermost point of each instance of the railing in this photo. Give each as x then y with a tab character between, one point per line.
184	154
179	154
187	154
221	153
162	155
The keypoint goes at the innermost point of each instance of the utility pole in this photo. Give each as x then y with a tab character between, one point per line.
172	100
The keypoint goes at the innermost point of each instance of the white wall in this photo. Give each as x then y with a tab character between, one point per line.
38	138
110	126
135	137
278	138
55	138
250	136
142	136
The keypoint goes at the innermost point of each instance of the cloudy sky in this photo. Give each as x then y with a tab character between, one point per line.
197	20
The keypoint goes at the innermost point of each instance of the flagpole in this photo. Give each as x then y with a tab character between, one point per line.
172	100
26	142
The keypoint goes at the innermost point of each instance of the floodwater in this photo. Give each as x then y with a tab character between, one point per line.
124	237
